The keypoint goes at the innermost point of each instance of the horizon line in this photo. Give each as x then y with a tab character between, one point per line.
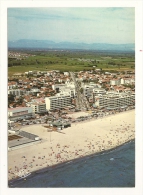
69	41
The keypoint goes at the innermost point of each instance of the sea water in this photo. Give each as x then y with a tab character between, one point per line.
110	169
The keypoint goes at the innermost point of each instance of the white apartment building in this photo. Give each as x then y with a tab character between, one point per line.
67	91
38	107
70	84
67	88
128	81
58	86
19	112
35	90
11	86
67	84
88	89
97	91
66	73
115	100
115	82
16	92
58	101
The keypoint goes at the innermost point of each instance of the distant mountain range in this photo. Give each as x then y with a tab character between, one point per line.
45	44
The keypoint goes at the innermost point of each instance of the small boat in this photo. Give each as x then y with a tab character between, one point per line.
111	158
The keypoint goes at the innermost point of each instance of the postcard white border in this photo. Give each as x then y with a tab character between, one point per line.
139	92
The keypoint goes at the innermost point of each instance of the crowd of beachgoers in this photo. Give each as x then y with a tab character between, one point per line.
77	141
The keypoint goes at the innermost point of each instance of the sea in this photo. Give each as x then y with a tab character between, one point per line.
114	168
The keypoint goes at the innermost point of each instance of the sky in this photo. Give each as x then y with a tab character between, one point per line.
114	25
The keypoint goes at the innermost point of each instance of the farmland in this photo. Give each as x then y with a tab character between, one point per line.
69	60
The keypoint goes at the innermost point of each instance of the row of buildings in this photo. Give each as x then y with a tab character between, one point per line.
55	91
114	101
122	81
110	100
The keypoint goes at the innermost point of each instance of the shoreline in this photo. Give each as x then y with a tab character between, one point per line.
81	140
59	165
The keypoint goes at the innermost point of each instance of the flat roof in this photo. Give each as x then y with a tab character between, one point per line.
10	109
38	103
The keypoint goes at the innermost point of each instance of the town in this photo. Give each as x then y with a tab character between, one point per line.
36	97
44	94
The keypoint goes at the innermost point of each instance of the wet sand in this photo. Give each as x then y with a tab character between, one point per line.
74	142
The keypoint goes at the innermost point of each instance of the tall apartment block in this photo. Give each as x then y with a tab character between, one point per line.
58	102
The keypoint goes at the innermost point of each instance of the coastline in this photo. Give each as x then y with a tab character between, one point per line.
46	169
82	143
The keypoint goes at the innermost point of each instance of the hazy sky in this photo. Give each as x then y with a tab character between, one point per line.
88	25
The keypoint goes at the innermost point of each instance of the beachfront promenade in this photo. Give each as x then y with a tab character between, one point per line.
79	140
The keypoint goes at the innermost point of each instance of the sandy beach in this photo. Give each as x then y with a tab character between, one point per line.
79	140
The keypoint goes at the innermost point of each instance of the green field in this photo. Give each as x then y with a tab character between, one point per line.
71	61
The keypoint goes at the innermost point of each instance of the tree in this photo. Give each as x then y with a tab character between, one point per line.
81	90
20	101
11	98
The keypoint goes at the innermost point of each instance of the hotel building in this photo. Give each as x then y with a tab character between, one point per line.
115	100
19	112
58	101
38	107
16	92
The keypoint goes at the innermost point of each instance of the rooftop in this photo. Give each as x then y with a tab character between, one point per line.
17	108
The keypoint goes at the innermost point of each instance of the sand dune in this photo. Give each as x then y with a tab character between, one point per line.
76	141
